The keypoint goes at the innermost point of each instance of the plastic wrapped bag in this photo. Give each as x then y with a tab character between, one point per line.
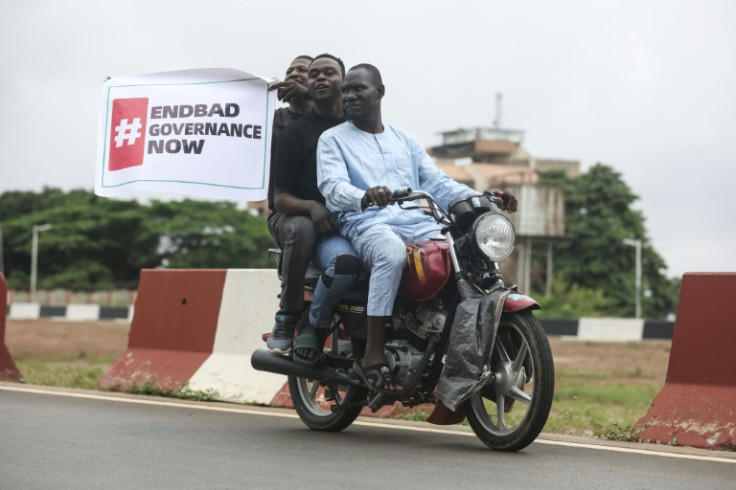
468	356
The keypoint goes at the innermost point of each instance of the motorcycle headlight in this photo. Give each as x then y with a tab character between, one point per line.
494	236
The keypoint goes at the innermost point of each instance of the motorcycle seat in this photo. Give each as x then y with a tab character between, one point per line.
360	289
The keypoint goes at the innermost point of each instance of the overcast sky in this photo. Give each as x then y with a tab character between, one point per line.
647	87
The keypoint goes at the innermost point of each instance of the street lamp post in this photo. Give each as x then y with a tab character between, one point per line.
637	244
34	256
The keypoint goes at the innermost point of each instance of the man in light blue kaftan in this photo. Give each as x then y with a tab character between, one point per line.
351	161
359	162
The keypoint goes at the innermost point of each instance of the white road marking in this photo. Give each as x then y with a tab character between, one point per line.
271	413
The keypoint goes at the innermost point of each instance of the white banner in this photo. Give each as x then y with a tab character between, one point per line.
194	132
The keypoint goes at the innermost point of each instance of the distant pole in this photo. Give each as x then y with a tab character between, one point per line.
637	244
34	256
497	122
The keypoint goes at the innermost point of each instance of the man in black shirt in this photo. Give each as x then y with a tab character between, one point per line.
301	224
293	90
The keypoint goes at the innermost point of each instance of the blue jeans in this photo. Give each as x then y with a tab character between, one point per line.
341	268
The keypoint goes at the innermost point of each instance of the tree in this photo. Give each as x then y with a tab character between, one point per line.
93	242
98	243
593	254
196	234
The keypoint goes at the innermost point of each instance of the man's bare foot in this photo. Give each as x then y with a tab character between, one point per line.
377	375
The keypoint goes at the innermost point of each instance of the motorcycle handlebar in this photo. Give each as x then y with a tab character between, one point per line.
405	194
401	194
497	200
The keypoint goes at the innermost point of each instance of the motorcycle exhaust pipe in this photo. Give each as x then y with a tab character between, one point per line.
262	360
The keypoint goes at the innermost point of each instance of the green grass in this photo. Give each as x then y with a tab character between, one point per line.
65	371
413	416
590	404
609	410
62	375
80	372
182	391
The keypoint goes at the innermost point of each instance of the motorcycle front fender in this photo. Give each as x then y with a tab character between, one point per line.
519	302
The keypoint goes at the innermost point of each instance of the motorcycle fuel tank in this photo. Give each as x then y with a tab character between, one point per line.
427	270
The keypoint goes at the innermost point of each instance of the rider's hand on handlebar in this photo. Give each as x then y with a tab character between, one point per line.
377	196
322	218
509	199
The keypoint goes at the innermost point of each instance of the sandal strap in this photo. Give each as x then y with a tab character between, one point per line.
309	341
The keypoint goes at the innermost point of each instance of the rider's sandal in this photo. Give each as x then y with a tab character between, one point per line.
377	377
310	341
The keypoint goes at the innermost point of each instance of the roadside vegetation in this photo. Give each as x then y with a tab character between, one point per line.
96	243
80	372
62	370
582	407
183	392
597	405
593	267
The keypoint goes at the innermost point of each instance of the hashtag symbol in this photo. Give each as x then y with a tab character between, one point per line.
127	132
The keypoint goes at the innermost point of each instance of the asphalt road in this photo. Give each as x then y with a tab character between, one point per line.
52	438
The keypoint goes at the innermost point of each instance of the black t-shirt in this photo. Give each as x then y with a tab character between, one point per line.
295	166
281	119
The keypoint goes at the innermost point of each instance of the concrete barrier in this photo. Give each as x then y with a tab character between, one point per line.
173	328
71	312
697	405
200	327
82	313
610	329
25	311
247	309
8	369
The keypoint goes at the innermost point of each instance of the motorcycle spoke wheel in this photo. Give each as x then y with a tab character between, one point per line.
327	406
314	402
319	398
510	411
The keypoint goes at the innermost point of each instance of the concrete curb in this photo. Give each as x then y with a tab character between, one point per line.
587	329
71	312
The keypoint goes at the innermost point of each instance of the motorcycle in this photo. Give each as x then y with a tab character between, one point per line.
512	386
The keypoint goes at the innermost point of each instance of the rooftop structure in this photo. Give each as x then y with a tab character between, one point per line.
494	158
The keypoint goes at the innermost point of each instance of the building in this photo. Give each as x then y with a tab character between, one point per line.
494	158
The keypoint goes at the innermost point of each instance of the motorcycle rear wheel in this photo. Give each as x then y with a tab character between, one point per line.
312	401
509	412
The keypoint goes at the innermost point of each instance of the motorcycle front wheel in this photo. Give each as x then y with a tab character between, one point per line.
509	412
